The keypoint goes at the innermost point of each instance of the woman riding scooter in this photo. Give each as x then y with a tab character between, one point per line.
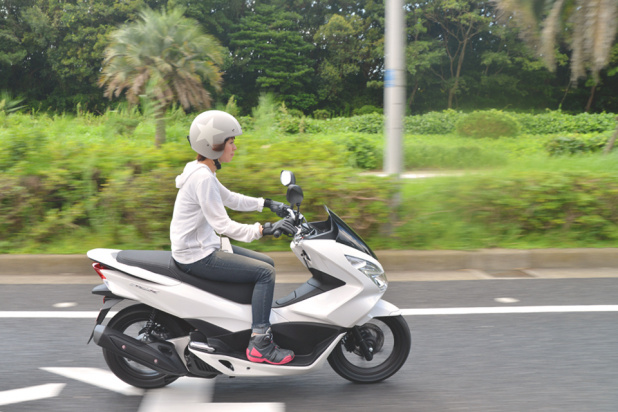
200	217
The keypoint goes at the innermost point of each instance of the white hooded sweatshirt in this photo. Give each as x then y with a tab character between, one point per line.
199	214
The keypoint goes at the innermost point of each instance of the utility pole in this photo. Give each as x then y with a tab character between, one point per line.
394	86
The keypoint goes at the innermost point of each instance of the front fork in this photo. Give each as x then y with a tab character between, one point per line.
354	341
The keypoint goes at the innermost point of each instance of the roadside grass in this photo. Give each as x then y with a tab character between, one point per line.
435	213
67	153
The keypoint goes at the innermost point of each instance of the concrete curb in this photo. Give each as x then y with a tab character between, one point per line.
392	260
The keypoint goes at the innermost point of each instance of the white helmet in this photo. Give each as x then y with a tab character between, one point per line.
211	128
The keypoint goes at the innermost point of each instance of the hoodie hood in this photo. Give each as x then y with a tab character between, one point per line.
190	168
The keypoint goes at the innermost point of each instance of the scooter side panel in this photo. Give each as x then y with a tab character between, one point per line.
345	305
232	366
182	300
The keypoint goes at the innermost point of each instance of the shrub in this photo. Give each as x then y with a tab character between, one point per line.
59	186
575	145
365	152
536	203
432	122
368	123
68	184
232	107
321	114
293	125
367	109
490	123
246	122
289	124
122	125
523	210
8	103
295	113
554	122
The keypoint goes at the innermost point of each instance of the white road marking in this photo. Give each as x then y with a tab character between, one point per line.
244	407
195	395
97	377
506	300
405	312
186	394
510	310
182	394
52	314
64	304
31	393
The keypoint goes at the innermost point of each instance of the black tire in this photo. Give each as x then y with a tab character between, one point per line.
390	339
131	321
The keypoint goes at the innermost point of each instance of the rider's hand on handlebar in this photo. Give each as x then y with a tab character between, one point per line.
279	208
284	226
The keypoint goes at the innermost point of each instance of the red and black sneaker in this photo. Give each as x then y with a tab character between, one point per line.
263	349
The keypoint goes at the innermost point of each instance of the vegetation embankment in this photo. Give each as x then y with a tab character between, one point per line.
71	183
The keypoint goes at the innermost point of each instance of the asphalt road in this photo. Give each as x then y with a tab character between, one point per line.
565	361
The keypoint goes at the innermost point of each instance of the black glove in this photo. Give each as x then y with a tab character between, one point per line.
279	208
284	226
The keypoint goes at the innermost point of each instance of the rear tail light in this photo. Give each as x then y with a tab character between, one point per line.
98	268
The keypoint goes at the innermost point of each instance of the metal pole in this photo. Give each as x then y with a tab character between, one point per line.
394	86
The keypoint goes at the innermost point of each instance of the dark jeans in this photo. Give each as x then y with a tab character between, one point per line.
242	266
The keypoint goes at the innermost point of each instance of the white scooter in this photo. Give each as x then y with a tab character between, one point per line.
187	326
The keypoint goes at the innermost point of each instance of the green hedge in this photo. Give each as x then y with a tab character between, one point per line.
524	210
66	183
489	123
550	122
70	184
571	145
537	203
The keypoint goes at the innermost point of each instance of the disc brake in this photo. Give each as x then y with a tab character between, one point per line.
365	341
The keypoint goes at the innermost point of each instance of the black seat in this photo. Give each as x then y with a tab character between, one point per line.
162	263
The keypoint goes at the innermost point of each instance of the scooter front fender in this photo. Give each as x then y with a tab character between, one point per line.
381	309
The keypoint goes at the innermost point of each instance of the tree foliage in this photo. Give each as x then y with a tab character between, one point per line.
270	55
166	57
328	54
588	26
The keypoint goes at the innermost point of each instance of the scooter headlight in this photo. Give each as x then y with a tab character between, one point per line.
370	270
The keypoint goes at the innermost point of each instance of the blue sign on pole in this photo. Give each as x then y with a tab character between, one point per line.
389	78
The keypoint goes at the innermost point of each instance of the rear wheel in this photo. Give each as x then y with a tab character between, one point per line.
148	325
387	340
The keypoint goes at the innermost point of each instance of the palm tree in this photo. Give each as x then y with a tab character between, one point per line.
166	57
589	26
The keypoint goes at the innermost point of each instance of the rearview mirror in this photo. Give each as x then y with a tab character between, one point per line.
294	195
287	178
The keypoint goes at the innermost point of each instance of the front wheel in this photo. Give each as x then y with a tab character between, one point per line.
389	342
146	324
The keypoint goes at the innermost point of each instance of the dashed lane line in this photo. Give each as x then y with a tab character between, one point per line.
510	310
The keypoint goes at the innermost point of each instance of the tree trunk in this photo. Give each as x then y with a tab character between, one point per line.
160	125
412	95
451	93
610	143
591	98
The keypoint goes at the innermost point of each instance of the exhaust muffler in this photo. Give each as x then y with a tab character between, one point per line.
160	356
